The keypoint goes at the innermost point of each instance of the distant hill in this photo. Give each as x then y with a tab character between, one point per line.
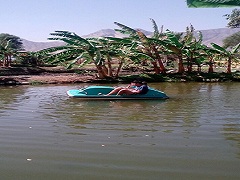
36	46
217	35
209	36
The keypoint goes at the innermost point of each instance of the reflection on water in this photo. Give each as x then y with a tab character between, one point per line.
193	135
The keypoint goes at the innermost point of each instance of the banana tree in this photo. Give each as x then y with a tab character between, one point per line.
229	54
194	48
177	47
75	48
124	50
187	48
146	48
151	50
119	49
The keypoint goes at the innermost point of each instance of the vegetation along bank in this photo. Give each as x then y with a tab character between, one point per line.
163	56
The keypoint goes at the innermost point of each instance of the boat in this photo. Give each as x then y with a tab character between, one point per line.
99	93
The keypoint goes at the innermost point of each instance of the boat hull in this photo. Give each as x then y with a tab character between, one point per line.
98	93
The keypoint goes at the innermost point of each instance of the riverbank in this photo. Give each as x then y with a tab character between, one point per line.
58	75
43	75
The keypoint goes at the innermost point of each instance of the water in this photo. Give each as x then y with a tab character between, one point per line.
193	135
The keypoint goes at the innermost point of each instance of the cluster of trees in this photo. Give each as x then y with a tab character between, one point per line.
109	54
10	45
157	51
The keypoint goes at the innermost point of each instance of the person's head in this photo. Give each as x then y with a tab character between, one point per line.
144	83
134	82
138	83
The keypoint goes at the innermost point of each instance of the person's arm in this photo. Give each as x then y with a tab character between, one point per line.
131	86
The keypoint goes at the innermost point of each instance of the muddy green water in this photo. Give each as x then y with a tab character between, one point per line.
193	135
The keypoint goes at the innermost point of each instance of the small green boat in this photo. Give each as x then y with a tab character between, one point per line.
98	93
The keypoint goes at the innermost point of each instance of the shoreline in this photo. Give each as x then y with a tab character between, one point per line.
46	79
55	75
42	75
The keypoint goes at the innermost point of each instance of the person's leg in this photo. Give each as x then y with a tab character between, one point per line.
115	91
126	91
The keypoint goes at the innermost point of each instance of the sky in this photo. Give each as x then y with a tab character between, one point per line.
35	20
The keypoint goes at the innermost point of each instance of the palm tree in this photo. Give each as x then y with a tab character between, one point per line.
123	49
177	47
146	47
187	48
150	48
6	51
99	51
76	48
9	45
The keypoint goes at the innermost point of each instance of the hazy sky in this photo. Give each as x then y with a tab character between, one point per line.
35	19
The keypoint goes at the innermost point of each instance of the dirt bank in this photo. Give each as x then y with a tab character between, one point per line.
59	75
45	79
46	75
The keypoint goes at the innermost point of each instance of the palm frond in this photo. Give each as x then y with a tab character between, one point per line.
173	39
63	35
98	58
235	48
219	48
144	56
127	29
212	3
122	31
156	33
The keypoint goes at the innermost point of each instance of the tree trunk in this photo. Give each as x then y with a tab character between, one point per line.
229	65
119	68
9	60
199	69
189	66
162	68
110	71
5	60
101	73
210	69
105	70
180	64
159	59
155	67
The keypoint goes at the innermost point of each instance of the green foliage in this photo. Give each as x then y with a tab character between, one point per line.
234	18
11	41
231	55
9	45
212	3
126	29
156	33
225	51
135	48
232	40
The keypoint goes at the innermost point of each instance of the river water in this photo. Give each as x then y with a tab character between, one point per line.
193	135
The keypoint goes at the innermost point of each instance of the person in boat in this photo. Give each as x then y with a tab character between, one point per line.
136	87
141	88
132	85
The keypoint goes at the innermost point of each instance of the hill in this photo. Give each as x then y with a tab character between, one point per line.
36	46
209	36
217	35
